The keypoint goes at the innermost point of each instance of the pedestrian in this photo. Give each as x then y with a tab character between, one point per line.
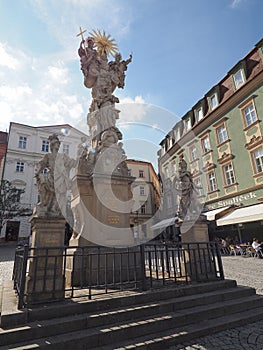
258	247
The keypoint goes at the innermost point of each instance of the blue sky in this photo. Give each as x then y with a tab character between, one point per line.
180	50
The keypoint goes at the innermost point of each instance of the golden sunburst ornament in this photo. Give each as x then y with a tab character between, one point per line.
104	44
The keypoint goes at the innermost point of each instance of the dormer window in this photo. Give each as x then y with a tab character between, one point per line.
188	124
238	78
213	101
199	114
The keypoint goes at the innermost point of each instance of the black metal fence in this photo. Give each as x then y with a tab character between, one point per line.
55	273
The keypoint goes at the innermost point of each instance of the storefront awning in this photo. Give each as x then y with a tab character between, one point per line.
211	214
241	215
164	223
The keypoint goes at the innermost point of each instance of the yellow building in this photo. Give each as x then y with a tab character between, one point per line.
146	196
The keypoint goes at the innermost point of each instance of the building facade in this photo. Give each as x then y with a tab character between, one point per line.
26	146
146	196
221	138
3	148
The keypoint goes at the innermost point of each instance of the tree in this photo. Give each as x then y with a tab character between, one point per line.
9	201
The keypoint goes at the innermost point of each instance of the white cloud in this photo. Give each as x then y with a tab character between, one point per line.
64	19
6	58
235	3
44	89
132	110
58	73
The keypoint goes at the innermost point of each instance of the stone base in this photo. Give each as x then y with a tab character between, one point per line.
45	280
108	267
101	206
198	262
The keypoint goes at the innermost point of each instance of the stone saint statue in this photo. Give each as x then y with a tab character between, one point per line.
52	175
103	77
184	186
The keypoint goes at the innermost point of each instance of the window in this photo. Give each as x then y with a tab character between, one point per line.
20	167
193	152
166	171
141	173
213	101
129	172
238	78
249	114
206	144
198	186
187	124
143	209
22	142
199	114
211	182
44	171
45	146
258	160
65	148
142	191
221	134
229	174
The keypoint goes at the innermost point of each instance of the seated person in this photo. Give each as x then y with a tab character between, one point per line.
258	247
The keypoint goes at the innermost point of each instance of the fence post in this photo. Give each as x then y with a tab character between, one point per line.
219	259
144	285
23	277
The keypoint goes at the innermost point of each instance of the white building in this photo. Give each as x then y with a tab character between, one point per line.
26	146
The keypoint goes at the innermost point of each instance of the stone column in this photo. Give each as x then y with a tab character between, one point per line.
46	280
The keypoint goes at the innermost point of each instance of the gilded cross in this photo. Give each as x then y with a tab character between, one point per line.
82	37
81	33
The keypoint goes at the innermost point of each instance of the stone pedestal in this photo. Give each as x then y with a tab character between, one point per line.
101	206
46	280
198	260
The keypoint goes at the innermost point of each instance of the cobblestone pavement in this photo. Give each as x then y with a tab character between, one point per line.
246	271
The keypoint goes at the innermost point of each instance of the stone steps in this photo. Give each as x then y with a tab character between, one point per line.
149	319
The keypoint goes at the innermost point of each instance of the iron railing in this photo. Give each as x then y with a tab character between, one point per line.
55	273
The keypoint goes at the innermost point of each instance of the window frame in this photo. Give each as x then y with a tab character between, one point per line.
197	181
65	148
237	85
225	134
143	209
226	174
200	109
193	153
20	167
214	187
22	143
215	98
141	173
45	146
255	165
142	191
206	137
245	106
